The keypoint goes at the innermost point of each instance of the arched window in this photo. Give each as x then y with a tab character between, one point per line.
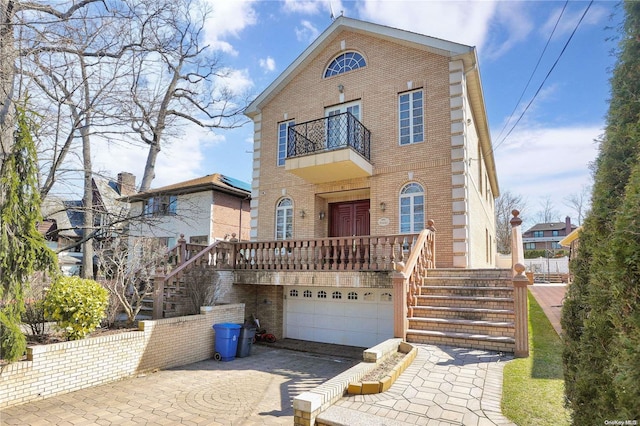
411	208
284	219
345	62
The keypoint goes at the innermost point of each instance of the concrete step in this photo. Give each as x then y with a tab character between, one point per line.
472	273
468	281
457	312
465	301
467	291
463	340
489	328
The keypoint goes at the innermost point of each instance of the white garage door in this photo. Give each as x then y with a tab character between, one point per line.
345	316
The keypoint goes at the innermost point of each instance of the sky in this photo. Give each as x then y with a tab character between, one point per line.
545	156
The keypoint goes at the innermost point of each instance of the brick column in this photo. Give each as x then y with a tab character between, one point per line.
521	307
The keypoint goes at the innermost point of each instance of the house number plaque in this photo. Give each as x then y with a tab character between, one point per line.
383	221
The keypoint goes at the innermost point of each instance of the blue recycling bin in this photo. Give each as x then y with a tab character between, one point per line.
226	343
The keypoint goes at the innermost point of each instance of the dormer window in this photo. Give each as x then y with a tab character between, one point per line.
344	62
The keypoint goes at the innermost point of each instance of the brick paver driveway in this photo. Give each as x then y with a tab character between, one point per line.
256	390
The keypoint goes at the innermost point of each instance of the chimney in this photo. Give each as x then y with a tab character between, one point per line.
126	183
567	222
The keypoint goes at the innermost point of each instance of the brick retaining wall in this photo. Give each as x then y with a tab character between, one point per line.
69	366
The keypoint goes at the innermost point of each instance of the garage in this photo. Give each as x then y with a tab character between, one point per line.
344	316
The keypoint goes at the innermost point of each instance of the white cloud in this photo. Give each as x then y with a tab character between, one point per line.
236	80
307	7
462	22
306	32
314	7
228	18
268	64
514	27
550	162
596	15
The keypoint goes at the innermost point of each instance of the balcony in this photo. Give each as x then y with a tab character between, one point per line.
329	149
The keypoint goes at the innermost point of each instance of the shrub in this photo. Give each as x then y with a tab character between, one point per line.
77	305
33	316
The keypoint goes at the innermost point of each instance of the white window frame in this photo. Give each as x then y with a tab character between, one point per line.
411	118
283	138
284	210
408	198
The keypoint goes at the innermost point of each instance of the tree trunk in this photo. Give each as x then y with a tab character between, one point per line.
150	167
7	76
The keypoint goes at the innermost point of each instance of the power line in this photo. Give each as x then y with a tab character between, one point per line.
506	123
545	78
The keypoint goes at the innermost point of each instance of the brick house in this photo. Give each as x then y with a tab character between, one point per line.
368	136
205	209
547	236
372	131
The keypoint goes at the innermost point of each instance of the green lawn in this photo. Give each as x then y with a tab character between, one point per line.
533	388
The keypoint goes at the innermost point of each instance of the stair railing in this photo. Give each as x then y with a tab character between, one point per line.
407	280
520	292
219	254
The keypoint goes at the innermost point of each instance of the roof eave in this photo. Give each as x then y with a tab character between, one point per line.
442	47
479	111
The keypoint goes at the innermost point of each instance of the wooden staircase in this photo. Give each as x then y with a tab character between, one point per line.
471	308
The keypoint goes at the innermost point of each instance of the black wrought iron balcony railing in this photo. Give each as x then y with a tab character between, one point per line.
327	134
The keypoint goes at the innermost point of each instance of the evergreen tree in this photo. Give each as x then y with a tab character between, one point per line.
22	248
625	303
590	322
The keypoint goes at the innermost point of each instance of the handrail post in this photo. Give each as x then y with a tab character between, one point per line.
517	249
520	283
182	243
158	297
520	292
400	317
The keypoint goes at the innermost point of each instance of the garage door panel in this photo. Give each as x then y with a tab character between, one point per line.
353	319
384	312
304	320
361	310
294	305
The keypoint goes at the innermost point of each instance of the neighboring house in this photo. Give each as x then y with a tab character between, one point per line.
63	224
209	208
572	242
373	131
547	236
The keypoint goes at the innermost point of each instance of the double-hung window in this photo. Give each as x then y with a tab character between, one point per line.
283	138
162	205
411	117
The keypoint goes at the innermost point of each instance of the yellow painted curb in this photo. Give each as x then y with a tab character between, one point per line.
355	388
371	387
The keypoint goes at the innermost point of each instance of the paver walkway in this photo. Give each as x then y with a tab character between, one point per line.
256	390
442	386
451	385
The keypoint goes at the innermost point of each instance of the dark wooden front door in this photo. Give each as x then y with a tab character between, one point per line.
349	219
